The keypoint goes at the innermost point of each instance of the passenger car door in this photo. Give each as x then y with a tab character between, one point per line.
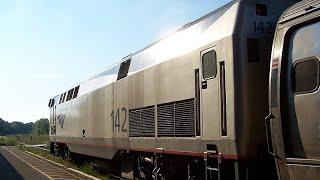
300	103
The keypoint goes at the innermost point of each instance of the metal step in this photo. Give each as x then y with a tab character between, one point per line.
212	169
217	161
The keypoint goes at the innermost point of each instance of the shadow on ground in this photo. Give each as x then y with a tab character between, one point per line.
7	171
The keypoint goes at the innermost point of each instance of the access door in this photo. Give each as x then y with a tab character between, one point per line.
213	111
300	103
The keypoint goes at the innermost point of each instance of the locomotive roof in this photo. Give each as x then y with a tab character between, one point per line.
203	23
209	28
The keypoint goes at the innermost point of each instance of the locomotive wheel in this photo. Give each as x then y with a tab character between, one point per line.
67	153
145	173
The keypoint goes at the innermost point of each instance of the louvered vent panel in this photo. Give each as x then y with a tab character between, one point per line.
147	122
184	118
134	123
166	119
177	119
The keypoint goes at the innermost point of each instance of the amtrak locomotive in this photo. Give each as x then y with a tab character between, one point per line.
194	105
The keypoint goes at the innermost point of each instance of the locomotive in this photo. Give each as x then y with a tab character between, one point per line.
193	105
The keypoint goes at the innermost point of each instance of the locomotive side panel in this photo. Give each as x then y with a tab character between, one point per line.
96	115
142	89
64	119
119	113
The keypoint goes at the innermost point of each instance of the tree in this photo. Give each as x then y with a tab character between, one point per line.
4	127
41	126
16	127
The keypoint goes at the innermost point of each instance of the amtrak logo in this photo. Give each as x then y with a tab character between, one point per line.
61	118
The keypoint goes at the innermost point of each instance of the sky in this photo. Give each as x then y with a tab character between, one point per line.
47	47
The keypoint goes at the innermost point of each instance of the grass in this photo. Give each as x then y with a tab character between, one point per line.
12	140
7	141
83	167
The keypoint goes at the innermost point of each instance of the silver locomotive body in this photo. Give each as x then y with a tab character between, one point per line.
203	88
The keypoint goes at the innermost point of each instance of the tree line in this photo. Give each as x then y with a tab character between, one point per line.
39	127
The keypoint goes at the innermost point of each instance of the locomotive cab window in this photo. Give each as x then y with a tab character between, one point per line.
70	94
63	97
209	65
76	90
124	68
306	76
50	103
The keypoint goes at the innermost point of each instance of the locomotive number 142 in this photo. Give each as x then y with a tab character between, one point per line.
117	118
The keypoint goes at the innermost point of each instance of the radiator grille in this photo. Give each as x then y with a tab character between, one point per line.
134	123
141	122
166	119
176	119
184	118
147	122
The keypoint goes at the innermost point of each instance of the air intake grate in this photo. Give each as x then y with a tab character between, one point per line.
141	122
166	119
147	122
134	123
184	118
177	119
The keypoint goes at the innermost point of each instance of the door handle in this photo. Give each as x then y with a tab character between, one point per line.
204	84
268	133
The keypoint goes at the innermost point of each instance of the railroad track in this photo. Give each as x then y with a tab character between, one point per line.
48	169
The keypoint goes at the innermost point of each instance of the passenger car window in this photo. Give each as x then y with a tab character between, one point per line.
306	76
305	42
209	65
303	51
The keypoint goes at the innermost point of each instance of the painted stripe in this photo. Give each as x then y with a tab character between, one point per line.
158	150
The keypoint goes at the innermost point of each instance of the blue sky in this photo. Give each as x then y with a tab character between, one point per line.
47	46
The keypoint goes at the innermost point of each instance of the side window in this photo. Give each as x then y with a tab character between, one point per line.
306	76
50	102
61	98
64	97
304	49
76	90
70	93
124	68
209	64
305	42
